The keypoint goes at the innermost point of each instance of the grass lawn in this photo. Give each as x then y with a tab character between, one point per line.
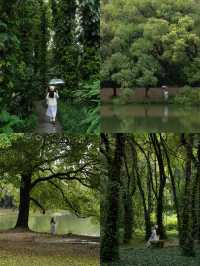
17	260
169	256
135	253
22	250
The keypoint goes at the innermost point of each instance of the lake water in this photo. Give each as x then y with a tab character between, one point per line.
149	118
66	223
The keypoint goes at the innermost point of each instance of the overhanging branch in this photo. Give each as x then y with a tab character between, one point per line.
38	204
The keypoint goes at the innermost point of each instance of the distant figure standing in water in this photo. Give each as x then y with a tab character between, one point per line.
165	93
53	226
51	98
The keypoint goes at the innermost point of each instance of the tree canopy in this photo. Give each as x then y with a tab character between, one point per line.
148	43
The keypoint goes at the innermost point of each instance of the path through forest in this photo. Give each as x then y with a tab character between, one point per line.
44	126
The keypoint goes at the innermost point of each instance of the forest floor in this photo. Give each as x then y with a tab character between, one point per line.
136	254
169	256
35	249
44	126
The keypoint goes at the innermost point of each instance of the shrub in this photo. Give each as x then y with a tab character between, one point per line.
79	118
12	123
9	122
126	94
88	92
188	96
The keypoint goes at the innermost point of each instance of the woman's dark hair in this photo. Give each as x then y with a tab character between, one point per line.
52	220
51	94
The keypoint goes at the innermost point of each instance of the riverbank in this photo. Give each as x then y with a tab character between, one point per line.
28	248
188	96
31	236
137	94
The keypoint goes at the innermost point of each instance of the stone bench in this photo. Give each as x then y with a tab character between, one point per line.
157	243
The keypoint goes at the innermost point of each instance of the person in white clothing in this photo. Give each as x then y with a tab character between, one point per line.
51	98
154	236
165	93
53	226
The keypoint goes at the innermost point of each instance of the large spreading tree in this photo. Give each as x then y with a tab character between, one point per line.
44	168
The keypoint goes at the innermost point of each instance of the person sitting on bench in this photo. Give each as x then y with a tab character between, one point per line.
154	236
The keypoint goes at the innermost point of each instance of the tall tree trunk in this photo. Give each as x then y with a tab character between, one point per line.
66	47
148	228
89	37
147	89
194	208
110	237
159	215
162	182
129	188
128	217
174	190
186	241
198	215
198	194
43	48
146	202
24	204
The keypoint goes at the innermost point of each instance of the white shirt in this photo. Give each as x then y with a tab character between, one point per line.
166	95
52	101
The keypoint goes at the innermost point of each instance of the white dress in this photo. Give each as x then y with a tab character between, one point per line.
166	95
52	105
53	228
153	237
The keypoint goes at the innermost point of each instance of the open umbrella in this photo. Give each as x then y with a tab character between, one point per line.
56	82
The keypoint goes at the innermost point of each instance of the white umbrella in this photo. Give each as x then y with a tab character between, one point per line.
56	82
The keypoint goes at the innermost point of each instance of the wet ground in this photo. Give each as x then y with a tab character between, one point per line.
44	125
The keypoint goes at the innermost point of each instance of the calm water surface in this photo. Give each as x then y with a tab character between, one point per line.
150	118
66	223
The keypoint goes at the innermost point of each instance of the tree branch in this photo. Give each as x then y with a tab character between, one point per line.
68	202
62	176
38	204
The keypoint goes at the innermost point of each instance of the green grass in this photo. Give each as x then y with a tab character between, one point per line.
155	257
9	260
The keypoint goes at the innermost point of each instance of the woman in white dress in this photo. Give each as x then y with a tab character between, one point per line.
154	236
53	226
51	98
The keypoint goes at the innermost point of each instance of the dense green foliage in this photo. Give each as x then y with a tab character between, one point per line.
12	123
150	43
187	97
40	40
79	112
